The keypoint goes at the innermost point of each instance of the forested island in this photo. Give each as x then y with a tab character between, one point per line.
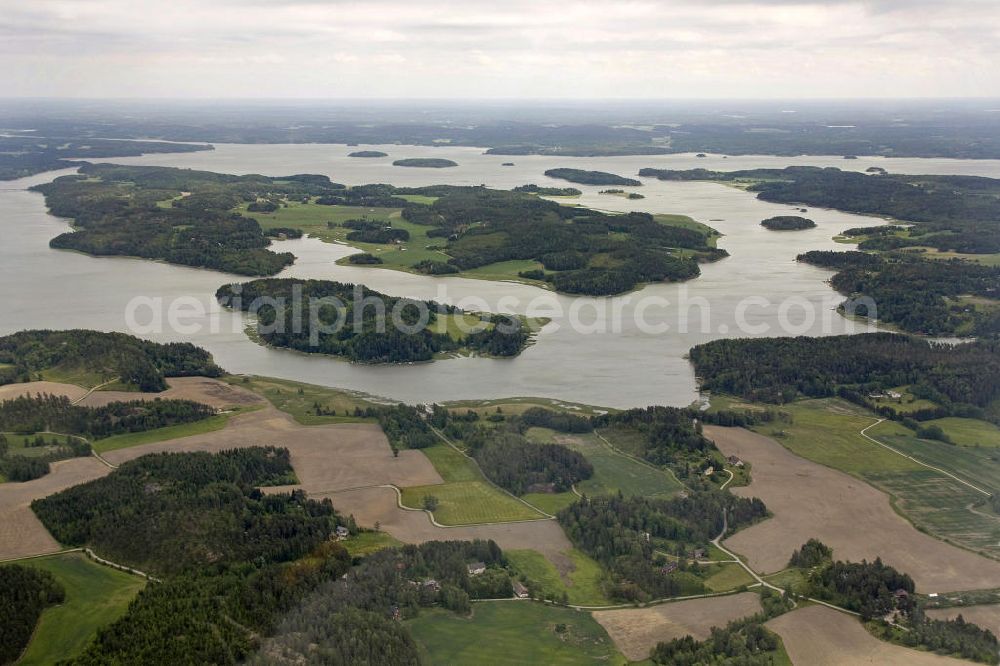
225	222
26	155
368	153
365	332
176	215
591	177
957	213
425	163
95	357
578	250
548	191
914	283
931	297
787	223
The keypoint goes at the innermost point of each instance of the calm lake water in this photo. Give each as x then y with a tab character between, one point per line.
622	351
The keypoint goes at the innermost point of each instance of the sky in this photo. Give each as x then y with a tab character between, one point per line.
499	48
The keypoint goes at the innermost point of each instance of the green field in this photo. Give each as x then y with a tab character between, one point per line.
96	596
513	632
298	399
968	432
124	441
584	584
469	502
520	405
367	543
551	503
725	577
78	376
789	579
613	472
827	431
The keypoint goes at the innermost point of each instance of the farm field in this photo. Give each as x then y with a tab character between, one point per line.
581	584
96	596
124	441
613	472
513	632
636	631
469	503
465	497
298	399
968	432
852	517
325	458
986	616
726	577
820	636
21	533
378	506
826	431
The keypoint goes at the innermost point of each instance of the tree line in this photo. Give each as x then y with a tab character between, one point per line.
964	379
24	593
139	363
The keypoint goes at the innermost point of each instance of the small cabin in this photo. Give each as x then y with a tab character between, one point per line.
476	568
520	591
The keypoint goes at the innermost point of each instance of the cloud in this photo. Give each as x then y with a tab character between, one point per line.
475	48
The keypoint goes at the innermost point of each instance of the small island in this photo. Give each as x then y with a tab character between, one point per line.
425	163
366	334
591	177
368	153
787	223
623	193
507	164
548	191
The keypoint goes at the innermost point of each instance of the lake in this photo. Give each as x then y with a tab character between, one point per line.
618	352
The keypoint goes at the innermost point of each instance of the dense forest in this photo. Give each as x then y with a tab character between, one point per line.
582	251
323	317
388	586
24	593
27	155
787	223
591	177
51	413
512	462
613	530
174	512
963	379
932	297
138	363
743	642
176	215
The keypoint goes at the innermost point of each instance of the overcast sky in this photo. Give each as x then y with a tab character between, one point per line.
499	48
